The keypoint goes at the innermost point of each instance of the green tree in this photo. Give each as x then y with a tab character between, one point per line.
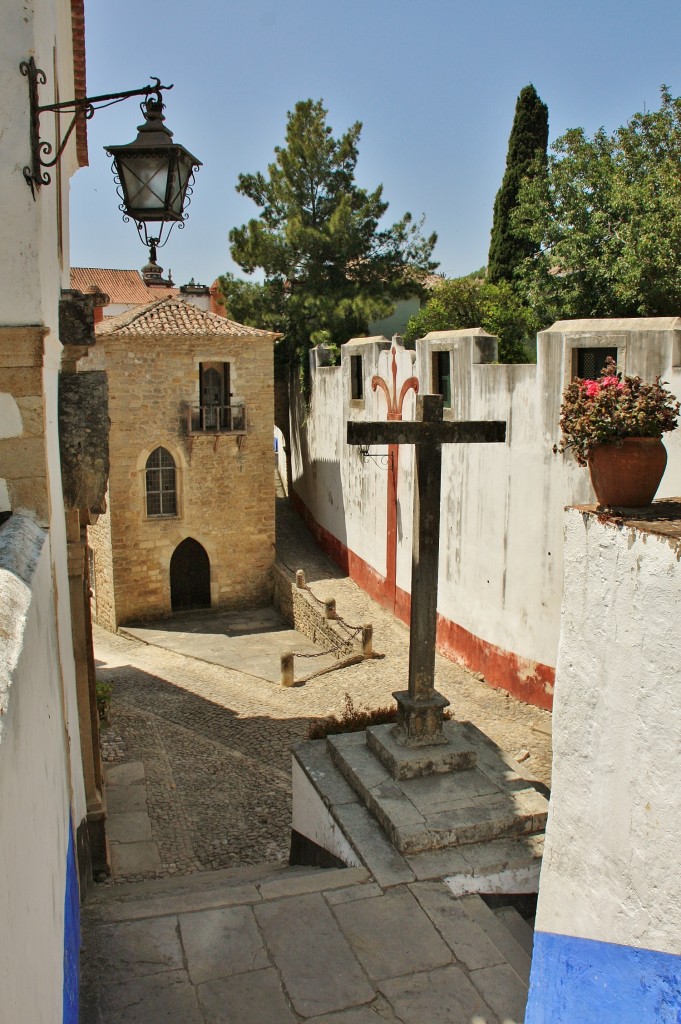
466	302
329	267
607	221
510	245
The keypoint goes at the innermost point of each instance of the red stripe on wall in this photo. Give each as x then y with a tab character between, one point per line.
530	681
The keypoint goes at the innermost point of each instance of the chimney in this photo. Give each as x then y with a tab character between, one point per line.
217	304
100	300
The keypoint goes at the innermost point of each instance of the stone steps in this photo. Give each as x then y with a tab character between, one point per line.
213	890
512	951
521	931
449	807
507	864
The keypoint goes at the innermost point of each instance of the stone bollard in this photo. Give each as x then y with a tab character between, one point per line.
300	579
330	609
287	678
367	641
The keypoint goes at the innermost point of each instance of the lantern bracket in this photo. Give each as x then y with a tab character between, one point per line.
84	107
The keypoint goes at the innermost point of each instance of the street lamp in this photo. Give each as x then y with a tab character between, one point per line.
153	174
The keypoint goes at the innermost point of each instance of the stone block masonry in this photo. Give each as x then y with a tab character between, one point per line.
302	610
23	457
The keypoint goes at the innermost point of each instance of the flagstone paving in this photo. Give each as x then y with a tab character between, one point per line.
282	945
208	744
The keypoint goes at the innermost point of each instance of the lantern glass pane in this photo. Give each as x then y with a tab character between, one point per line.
182	170
144	179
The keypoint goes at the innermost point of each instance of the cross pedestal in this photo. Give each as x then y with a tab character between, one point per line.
420	708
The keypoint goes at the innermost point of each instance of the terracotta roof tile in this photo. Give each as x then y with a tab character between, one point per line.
176	317
124	287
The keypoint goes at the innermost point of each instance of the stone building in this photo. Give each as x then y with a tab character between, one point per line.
190	516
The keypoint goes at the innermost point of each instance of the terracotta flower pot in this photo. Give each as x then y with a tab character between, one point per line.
627	474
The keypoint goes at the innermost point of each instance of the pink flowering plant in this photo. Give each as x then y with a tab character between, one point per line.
607	410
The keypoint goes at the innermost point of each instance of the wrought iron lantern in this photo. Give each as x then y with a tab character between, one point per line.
154	176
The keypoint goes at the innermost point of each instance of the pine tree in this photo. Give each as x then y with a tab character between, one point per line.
329	268
526	156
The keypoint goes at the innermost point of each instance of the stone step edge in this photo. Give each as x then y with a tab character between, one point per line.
196	882
499	934
290	883
192	881
516	924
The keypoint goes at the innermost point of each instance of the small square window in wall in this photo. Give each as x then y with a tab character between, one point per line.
356	378
588	362
442	377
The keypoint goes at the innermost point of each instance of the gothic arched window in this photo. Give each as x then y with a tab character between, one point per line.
160	484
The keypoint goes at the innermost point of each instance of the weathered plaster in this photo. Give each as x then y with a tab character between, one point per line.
34	788
609	893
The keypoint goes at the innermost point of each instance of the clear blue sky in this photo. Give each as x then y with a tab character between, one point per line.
434	84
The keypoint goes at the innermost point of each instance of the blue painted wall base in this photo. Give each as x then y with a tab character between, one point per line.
580	980
71	936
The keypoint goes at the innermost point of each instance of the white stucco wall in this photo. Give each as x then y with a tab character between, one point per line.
42	796
612	845
32	269
501	565
312	819
608	920
34	266
34	790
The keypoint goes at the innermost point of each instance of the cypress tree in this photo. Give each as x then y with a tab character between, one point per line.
526	145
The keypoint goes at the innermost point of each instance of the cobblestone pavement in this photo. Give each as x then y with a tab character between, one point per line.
215	742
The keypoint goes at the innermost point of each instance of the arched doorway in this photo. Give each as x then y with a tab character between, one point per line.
189	576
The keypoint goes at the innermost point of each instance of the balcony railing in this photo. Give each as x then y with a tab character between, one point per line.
216	419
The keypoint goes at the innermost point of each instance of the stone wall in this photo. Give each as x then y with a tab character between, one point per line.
305	614
225	482
84	438
500	573
99	540
609	918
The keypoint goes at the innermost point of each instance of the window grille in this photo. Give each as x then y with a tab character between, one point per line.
160	481
590	361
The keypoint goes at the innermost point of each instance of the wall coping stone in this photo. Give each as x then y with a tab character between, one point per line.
661	519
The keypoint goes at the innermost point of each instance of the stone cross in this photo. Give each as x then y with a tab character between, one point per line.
419	709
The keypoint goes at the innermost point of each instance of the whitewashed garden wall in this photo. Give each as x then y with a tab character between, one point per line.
501	561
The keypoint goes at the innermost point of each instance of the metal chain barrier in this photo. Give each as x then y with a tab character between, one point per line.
340	647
